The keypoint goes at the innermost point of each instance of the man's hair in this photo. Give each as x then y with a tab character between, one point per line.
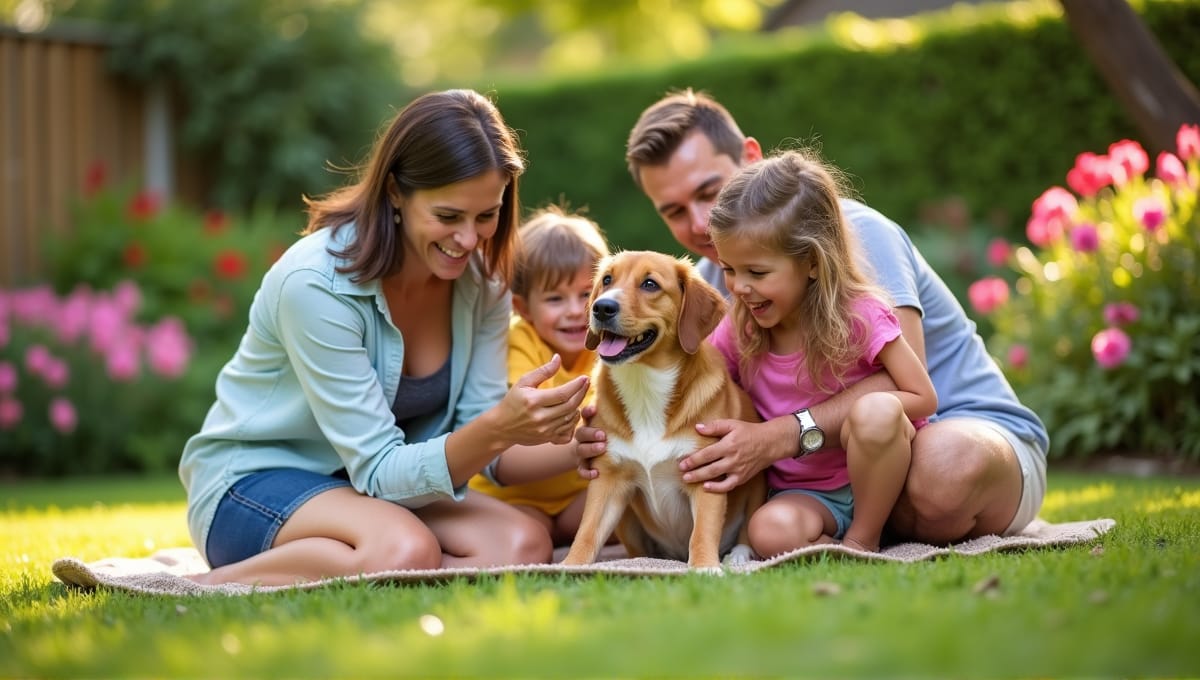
554	247
665	124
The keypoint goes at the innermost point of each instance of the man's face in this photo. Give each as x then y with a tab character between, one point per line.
684	188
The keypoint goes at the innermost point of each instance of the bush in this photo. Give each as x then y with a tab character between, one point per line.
83	387
1100	337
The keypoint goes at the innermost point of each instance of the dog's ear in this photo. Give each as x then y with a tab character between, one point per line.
701	309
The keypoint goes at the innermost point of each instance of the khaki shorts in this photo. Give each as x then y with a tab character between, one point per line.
1033	476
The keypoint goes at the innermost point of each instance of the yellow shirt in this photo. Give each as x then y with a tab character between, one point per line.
527	351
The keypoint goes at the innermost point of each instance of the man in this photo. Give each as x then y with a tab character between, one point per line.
979	466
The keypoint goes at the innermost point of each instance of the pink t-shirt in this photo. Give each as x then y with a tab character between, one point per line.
775	391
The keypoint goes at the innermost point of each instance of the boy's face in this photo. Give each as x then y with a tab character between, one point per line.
559	314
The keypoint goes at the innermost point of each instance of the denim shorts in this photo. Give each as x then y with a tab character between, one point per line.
839	502
256	506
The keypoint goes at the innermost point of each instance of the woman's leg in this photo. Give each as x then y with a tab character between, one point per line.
481	531
337	533
789	521
877	436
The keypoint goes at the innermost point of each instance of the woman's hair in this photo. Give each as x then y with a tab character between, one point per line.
665	124
439	139
789	203
554	247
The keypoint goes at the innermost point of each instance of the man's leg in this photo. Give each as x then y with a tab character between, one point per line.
965	481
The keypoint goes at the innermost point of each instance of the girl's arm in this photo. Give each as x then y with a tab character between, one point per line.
523	464
913	386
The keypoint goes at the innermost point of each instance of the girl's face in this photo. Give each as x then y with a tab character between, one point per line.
769	283
444	225
560	314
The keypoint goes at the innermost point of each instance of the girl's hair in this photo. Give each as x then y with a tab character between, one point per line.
439	139
663	127
789	203
554	247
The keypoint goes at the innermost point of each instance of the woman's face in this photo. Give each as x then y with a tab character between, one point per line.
443	226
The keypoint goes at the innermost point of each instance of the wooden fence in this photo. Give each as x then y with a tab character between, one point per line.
62	114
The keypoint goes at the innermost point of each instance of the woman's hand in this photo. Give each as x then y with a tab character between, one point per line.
589	443
743	450
531	415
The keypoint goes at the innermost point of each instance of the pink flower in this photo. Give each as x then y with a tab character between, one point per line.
122	363
1110	347
1170	170
73	315
1052	212
987	294
1120	313
128	297
1090	174
1127	159
36	358
10	412
55	373
1018	356
168	348
1085	239
63	416
998	252
1151	212
8	377
1187	141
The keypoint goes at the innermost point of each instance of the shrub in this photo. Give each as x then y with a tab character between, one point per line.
83	387
1099	336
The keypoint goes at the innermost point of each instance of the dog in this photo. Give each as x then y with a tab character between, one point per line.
649	316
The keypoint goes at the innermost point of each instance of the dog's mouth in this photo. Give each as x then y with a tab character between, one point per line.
615	348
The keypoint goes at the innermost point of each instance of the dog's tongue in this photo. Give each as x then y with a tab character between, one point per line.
611	345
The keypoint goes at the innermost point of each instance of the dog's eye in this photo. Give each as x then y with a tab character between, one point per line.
650	284
607	279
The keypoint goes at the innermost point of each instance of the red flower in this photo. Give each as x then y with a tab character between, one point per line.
230	264
95	178
215	222
134	255
143	206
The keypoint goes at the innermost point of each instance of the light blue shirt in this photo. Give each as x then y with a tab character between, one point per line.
313	380
968	381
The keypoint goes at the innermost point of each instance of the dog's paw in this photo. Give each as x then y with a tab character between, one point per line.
741	555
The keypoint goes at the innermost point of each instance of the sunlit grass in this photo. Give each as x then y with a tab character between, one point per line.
1123	606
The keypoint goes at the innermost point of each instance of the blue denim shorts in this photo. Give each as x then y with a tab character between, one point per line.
256	506
840	503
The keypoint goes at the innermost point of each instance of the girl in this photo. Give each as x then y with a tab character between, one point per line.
370	385
806	323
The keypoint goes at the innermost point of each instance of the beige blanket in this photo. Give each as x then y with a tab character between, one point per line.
162	573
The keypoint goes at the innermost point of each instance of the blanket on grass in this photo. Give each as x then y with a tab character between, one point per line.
162	573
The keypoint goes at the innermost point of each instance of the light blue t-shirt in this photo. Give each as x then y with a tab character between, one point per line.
313	380
968	381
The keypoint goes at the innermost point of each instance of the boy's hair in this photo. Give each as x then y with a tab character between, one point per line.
789	203
666	123
554	247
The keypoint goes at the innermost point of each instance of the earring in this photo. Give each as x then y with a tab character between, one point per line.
396	217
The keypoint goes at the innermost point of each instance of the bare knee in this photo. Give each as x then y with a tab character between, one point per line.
875	424
399	551
526	541
778	527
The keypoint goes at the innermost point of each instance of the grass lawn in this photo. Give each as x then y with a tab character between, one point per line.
1128	605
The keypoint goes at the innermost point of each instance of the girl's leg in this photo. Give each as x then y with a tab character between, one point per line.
566	523
878	438
789	521
337	533
481	531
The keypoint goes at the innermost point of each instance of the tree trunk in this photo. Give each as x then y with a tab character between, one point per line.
1151	89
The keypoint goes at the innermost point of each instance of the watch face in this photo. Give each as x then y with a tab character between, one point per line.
812	440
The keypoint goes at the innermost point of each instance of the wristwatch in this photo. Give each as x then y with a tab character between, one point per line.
812	438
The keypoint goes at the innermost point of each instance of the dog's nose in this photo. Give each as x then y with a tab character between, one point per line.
605	309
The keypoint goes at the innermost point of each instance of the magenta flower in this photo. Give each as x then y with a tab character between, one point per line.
1120	313
1090	174
36	358
10	412
1018	356
1170	170
8	377
122	362
63	416
1052	212
73	314
998	252
987	294
55	373
1151	212
1111	347
1127	159
1085	238
168	348
1187	142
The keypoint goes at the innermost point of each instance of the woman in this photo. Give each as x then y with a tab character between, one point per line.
371	383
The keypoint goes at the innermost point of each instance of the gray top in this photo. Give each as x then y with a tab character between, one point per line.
419	397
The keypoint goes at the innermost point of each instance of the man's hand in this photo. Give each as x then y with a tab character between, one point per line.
590	442
743	450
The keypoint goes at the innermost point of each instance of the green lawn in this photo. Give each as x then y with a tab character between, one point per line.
1128	605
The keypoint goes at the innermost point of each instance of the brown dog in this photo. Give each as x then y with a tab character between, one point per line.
650	314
